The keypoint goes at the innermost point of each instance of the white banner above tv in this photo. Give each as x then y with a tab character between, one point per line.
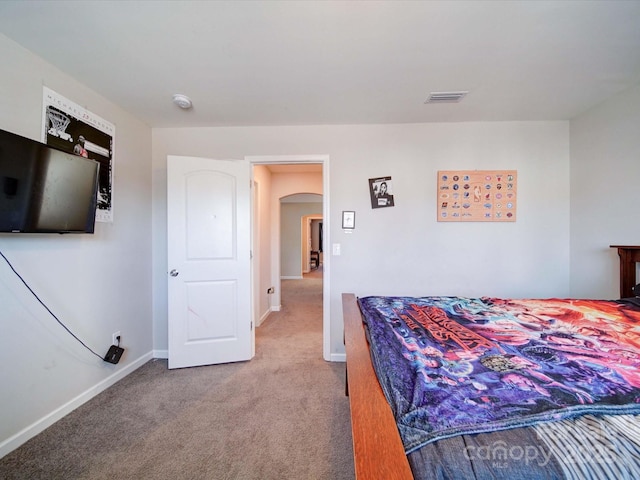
71	128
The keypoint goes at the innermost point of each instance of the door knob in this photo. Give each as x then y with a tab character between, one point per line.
174	273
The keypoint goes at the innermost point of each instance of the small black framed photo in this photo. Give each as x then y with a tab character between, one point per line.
381	192
348	220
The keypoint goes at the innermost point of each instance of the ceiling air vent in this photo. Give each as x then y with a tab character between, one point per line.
445	97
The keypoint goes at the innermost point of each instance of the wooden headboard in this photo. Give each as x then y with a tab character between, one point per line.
377	448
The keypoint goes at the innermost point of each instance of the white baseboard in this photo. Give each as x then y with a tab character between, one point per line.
267	313
35	428
161	354
338	357
288	277
263	318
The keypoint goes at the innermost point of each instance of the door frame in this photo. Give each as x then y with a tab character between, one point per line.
305	234
326	290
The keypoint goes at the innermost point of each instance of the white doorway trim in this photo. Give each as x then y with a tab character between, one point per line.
326	290
305	246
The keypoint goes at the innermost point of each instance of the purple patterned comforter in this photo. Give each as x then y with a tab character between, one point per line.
450	365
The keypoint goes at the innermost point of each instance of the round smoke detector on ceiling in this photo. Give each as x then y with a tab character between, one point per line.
182	101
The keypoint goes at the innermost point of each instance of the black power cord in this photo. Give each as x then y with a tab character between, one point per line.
47	308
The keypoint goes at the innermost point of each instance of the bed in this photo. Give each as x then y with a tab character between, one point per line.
493	388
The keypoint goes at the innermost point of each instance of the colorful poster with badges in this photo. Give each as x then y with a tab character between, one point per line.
477	195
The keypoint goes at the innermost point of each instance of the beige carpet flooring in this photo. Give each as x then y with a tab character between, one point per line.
282	415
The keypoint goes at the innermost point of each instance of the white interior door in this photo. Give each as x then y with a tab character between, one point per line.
209	264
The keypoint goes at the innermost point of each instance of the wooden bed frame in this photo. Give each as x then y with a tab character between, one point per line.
377	448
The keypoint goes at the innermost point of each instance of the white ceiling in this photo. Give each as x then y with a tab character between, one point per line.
337	62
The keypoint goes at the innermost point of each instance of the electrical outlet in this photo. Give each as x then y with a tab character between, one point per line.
114	338
270	290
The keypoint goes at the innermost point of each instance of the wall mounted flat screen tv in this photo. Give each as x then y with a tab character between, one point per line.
45	190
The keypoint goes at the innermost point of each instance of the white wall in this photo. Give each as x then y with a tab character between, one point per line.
403	249
97	284
262	242
291	238
605	193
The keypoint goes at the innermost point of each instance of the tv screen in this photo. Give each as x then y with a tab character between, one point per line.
45	190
